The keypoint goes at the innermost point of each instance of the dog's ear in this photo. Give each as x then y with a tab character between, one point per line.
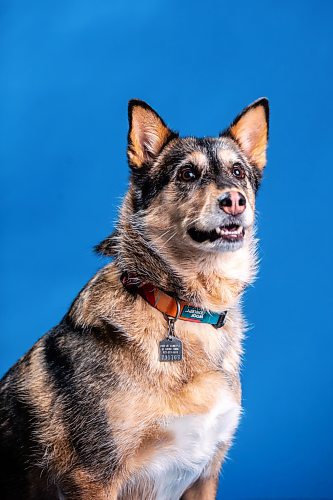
250	130
147	135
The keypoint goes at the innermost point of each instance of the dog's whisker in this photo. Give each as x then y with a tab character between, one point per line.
167	241
191	222
166	232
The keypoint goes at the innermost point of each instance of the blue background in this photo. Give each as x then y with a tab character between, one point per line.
67	71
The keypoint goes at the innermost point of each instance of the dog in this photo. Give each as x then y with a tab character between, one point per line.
136	393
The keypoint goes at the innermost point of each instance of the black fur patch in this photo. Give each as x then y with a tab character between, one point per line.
19	448
14	463
75	362
149	184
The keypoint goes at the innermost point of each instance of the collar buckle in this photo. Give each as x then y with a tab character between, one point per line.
221	321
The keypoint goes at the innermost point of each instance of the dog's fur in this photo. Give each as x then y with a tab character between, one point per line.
90	412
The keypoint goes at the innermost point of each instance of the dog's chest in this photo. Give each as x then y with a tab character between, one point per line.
194	440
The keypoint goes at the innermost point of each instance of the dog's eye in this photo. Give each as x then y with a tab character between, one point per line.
188	174
238	171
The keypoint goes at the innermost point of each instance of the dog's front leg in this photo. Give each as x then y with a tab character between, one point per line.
205	488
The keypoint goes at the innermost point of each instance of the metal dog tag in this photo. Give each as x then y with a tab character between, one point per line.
171	349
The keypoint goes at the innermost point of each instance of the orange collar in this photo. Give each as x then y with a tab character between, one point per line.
171	306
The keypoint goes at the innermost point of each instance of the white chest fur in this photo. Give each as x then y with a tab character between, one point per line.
195	440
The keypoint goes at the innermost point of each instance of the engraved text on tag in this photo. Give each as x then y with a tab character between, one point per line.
171	349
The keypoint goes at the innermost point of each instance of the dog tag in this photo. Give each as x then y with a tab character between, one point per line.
171	349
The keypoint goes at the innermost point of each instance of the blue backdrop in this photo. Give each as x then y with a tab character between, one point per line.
68	69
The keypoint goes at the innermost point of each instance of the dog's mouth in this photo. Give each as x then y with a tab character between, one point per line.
229	233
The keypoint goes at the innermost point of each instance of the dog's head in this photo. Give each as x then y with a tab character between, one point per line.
190	194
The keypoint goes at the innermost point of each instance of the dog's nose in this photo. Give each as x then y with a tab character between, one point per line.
232	203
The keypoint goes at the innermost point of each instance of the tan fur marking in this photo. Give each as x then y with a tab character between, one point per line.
227	156
91	489
154	440
198	158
